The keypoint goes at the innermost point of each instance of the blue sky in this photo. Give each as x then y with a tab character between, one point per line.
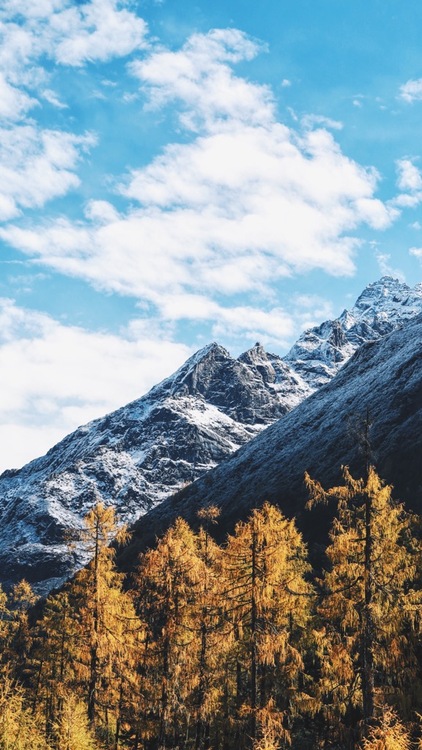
175	173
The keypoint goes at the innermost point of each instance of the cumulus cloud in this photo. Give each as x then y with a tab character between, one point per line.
409	176
200	78
36	165
243	203
411	91
69	33
56	377
409	180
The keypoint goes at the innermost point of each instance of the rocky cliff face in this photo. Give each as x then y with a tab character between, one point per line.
185	426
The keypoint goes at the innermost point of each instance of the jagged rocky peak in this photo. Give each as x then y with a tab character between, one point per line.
260	362
240	388
384	297
382	307
200	371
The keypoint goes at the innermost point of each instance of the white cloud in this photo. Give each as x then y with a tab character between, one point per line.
411	91
51	97
56	377
245	202
416	252
200	77
312	121
36	166
409	179
274	325
71	34
309	310
286	83
409	176
98	30
228	213
13	102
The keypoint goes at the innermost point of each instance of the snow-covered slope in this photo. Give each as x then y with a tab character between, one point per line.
383	379
320	352
139	454
181	429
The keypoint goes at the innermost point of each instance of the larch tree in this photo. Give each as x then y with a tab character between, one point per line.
269	604
56	653
371	603
166	588
107	622
207	625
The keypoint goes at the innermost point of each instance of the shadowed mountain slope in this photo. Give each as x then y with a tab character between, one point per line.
320	435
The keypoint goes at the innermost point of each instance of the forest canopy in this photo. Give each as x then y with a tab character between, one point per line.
233	646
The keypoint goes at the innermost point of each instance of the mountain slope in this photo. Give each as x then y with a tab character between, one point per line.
139	454
321	351
185	426
384	378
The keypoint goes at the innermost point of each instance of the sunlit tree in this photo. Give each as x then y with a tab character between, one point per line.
371	602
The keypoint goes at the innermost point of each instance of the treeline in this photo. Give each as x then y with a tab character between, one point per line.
230	647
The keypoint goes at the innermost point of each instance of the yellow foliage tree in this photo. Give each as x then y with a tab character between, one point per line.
108	626
371	601
269	603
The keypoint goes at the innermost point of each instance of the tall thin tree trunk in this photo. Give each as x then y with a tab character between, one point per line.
93	680
253	637
368	683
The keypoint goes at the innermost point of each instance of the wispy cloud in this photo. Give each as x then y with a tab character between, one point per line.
386	267
411	91
416	252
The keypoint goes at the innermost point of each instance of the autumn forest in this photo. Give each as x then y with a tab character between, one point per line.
233	646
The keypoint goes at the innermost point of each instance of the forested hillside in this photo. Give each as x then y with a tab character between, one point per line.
231	646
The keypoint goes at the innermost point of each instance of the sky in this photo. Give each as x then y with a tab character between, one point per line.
173	174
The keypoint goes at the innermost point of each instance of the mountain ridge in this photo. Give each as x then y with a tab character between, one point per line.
383	379
183	427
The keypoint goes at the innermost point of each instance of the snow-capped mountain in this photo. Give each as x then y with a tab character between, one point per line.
382	381
384	305
138	455
181	429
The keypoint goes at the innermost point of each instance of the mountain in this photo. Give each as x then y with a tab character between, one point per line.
320	352
185	426
138	455
383	380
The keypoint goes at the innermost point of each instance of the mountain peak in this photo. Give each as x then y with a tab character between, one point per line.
383	306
